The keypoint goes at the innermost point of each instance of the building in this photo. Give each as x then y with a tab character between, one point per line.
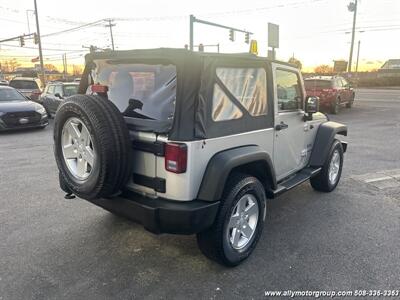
391	68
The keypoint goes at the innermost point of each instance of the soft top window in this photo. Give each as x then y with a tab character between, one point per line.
142	91
249	88
70	90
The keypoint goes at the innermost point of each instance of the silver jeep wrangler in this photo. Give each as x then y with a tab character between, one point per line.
186	142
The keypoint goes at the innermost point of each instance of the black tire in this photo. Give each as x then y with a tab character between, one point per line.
350	103
321	182
335	108
110	138
214	242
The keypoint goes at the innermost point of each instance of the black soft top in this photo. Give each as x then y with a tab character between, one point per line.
195	77
172	54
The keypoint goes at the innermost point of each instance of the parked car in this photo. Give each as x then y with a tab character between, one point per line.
333	92
28	86
17	112
3	82
55	93
187	142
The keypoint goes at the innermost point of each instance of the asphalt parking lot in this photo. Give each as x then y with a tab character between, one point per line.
52	248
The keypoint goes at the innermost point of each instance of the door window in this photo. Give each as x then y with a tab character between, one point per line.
288	89
58	89
50	90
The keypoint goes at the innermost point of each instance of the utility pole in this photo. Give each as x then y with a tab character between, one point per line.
64	59
191	20
111	25
352	7
66	65
358	54
40	44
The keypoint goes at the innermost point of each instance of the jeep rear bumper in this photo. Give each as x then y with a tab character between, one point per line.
162	215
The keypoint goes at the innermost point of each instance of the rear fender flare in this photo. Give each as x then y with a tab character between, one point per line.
222	163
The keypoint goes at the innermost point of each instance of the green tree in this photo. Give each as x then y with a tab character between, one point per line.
323	69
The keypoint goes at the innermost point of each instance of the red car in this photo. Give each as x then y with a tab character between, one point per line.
333	92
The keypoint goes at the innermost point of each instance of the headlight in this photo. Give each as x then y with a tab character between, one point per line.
40	110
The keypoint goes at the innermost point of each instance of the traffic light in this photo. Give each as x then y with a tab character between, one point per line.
35	38
231	35
21	41
247	38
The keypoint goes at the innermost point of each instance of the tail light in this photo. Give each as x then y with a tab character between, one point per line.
175	157
36	92
99	88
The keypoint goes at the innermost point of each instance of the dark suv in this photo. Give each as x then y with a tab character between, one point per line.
55	93
333	92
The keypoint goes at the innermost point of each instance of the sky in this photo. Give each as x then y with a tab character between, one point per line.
314	31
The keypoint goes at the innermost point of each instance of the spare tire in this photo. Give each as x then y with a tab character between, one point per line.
92	147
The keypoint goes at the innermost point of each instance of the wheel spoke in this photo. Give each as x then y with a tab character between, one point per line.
235	237
252	209
70	151
247	231
233	221
73	130
85	137
242	205
81	167
89	156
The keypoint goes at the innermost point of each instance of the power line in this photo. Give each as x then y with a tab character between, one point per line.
48	49
74	28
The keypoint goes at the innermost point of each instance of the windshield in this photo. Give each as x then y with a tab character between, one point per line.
317	84
10	95
24	84
70	90
143	91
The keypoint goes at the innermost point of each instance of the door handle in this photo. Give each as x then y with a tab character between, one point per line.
281	126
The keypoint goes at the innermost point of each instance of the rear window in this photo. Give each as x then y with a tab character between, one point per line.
70	90
316	84
24	84
142	91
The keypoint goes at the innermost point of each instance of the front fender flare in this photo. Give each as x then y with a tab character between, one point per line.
323	141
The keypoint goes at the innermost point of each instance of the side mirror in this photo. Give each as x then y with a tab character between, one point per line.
58	95
312	106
